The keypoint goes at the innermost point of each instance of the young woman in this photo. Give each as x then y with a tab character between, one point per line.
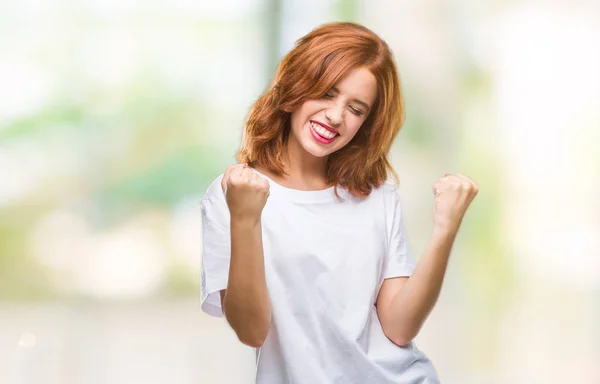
304	249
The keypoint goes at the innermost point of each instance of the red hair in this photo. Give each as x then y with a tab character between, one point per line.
318	61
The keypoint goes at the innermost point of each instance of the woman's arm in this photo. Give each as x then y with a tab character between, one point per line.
245	302
404	303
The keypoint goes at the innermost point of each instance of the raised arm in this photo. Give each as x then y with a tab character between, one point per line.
404	303
245	302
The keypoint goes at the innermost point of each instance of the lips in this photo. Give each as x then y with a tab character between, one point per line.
327	127
322	135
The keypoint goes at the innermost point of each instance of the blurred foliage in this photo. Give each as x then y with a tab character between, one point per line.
179	282
21	276
487	269
347	10
148	145
148	153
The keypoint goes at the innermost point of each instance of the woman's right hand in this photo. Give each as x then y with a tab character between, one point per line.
246	192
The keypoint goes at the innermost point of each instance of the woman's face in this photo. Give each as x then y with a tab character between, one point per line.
323	126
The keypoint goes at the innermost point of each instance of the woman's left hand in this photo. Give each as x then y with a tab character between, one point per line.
453	195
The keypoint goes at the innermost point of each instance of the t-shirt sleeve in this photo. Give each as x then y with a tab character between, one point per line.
216	250
400	260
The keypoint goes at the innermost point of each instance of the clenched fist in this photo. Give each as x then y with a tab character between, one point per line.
453	195
246	192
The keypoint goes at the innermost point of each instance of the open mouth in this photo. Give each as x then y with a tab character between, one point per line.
322	134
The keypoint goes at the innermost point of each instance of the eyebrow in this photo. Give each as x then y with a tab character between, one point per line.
354	100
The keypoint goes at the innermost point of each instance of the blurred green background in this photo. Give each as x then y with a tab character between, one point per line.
116	115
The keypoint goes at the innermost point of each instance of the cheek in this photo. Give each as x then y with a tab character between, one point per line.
354	125
303	114
296	121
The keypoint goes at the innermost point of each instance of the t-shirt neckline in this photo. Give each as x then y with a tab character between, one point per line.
298	195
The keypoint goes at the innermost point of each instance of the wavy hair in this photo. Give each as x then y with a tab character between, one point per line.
318	61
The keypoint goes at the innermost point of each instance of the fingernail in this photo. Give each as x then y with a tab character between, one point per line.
447	174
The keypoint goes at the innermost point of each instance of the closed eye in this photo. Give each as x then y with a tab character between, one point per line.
356	111
330	96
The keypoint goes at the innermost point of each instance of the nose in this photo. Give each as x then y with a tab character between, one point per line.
334	114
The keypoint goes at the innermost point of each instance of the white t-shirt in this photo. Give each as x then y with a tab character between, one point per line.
325	261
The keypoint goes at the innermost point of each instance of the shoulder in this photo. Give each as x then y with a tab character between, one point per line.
381	200
214	190
213	205
388	189
387	192
383	194
391	199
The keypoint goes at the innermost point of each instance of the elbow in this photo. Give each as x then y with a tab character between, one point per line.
254	341
403	334
402	340
252	334
250	326
254	337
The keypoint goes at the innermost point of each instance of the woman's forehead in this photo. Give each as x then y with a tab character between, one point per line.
360	84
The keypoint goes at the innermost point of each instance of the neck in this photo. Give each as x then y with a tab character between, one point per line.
304	171
303	166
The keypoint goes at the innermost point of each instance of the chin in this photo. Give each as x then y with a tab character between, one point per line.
316	151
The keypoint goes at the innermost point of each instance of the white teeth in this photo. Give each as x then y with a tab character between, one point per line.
322	131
